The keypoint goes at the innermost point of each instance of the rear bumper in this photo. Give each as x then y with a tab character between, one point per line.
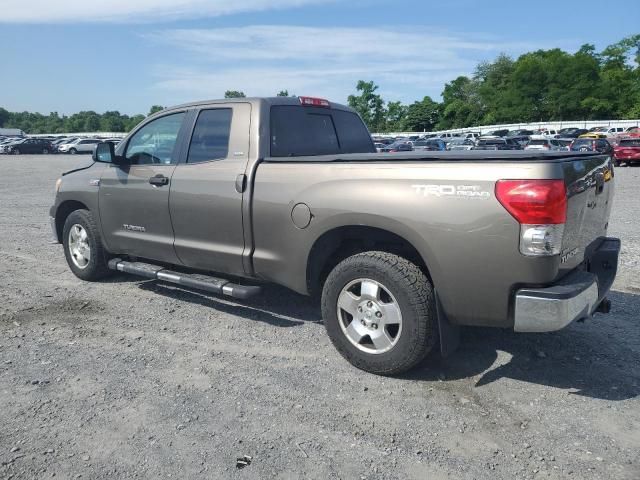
575	297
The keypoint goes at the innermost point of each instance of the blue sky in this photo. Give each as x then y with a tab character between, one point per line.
126	55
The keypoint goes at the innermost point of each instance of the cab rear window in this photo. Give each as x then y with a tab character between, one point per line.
307	131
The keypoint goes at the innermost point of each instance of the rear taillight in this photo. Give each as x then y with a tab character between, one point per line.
314	102
540	207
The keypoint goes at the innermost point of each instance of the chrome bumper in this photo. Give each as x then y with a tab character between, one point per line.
575	297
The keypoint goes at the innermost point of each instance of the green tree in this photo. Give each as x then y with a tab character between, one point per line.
283	93
422	116
369	105
4	116
234	94
155	109
395	116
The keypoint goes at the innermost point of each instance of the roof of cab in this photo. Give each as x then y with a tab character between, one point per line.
293	101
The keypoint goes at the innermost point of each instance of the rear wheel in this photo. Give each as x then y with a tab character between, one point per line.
379	312
45	151
83	247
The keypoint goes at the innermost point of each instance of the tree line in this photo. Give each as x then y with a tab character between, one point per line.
540	86
85	121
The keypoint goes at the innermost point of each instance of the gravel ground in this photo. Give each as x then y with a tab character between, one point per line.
137	379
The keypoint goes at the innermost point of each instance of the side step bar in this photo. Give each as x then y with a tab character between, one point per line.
189	280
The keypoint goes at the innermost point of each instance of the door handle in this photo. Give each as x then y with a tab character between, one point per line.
158	180
241	183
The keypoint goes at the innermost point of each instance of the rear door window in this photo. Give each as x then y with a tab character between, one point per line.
210	139
307	131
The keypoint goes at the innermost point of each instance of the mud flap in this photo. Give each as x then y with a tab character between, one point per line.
449	334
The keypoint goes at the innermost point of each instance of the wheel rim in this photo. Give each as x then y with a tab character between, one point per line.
79	246
16	151
369	316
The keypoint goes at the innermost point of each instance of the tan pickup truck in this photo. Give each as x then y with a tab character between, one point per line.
403	248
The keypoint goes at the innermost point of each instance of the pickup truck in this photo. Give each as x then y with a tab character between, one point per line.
401	248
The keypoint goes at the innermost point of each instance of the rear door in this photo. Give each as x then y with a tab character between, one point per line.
134	197
207	190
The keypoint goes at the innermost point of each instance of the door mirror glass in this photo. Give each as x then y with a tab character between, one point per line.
103	152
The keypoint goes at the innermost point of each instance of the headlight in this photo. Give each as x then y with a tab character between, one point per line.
58	183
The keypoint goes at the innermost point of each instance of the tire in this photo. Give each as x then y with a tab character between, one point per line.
45	151
402	286
79	234
16	151
73	151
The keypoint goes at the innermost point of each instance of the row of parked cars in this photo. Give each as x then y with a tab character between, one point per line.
623	145
45	145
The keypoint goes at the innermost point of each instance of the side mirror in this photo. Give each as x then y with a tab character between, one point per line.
104	152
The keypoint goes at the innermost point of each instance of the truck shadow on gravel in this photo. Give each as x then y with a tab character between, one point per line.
596	359
277	306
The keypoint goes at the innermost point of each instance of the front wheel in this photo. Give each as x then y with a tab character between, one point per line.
16	151
83	249
73	151
379	312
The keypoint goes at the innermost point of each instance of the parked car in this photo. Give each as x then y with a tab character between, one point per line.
632	132
6	142
79	145
56	143
496	133
422	145
547	132
497	144
261	191
599	145
565	143
403	146
522	132
539	142
603	132
571	132
627	151
594	134
379	146
29	146
461	144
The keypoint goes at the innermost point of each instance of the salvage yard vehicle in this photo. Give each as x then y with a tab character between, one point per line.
79	145
402	249
627	151
29	145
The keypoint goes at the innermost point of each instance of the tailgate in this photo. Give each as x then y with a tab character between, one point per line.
589	182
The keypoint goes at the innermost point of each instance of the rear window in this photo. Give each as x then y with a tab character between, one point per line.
538	142
630	142
307	131
582	141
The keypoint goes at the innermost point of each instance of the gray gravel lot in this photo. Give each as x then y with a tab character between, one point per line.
137	379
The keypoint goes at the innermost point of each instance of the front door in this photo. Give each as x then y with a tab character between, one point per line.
134	196
207	190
